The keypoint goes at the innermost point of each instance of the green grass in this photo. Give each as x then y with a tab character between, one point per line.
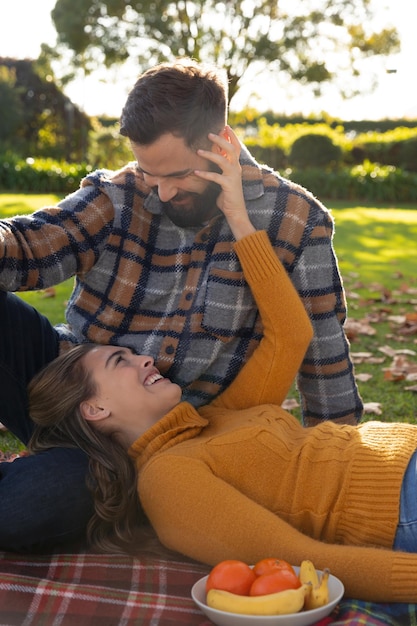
19	204
376	242
377	252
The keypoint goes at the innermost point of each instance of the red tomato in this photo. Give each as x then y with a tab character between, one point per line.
266	566
279	580
234	576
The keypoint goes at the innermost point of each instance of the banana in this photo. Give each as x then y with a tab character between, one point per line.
308	573
280	603
318	594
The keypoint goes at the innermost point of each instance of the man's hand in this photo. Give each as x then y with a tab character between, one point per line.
225	154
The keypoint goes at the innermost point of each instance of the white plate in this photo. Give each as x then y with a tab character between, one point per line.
304	618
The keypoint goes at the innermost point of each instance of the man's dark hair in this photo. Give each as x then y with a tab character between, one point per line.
183	98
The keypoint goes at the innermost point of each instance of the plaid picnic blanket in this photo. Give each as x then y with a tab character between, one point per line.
86	589
83	589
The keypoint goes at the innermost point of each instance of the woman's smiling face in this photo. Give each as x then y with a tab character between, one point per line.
129	386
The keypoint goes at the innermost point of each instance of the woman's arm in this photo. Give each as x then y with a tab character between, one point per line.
268	375
203	517
270	371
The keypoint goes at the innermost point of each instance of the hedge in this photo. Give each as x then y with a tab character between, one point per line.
40	175
367	181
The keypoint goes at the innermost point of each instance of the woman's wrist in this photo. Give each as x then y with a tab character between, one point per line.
241	227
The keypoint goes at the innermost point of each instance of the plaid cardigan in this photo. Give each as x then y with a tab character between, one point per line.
179	294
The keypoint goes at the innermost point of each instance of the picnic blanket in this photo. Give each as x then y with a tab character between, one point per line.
85	589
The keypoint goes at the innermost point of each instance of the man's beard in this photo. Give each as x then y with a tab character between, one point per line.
189	209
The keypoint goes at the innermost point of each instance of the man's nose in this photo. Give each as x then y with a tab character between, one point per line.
166	189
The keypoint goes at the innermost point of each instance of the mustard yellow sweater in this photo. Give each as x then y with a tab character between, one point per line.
241	478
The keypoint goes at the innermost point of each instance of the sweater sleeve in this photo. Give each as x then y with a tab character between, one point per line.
56	242
326	379
198	514
270	371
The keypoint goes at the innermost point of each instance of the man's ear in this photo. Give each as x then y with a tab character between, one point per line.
92	412
225	134
215	148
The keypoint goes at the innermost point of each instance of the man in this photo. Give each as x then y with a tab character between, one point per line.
154	267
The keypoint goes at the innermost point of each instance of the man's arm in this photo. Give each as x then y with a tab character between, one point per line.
301	231
54	243
326	379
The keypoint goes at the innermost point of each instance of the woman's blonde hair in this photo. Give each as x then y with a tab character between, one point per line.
55	395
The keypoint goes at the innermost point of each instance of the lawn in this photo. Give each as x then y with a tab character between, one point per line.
378	243
377	252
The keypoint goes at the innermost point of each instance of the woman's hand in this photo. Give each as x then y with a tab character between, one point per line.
225	154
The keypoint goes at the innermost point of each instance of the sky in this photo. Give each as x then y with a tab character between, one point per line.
25	24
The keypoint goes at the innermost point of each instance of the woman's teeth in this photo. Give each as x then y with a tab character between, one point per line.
152	379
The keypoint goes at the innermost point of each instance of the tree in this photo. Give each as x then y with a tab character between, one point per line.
299	40
37	118
11	107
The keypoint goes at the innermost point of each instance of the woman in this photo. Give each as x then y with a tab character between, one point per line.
240	477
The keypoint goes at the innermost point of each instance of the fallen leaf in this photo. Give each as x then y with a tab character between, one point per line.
290	403
408	329
394	376
397	319
401	368
361	355
49	292
400	362
372	407
363	377
353	328
352	295
392	352
366	357
411	318
387	350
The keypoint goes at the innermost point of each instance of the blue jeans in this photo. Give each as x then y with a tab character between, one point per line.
44	500
406	535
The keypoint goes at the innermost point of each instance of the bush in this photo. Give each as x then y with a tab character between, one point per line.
271	156
107	148
314	150
40	175
407	154
383	148
272	144
366	182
